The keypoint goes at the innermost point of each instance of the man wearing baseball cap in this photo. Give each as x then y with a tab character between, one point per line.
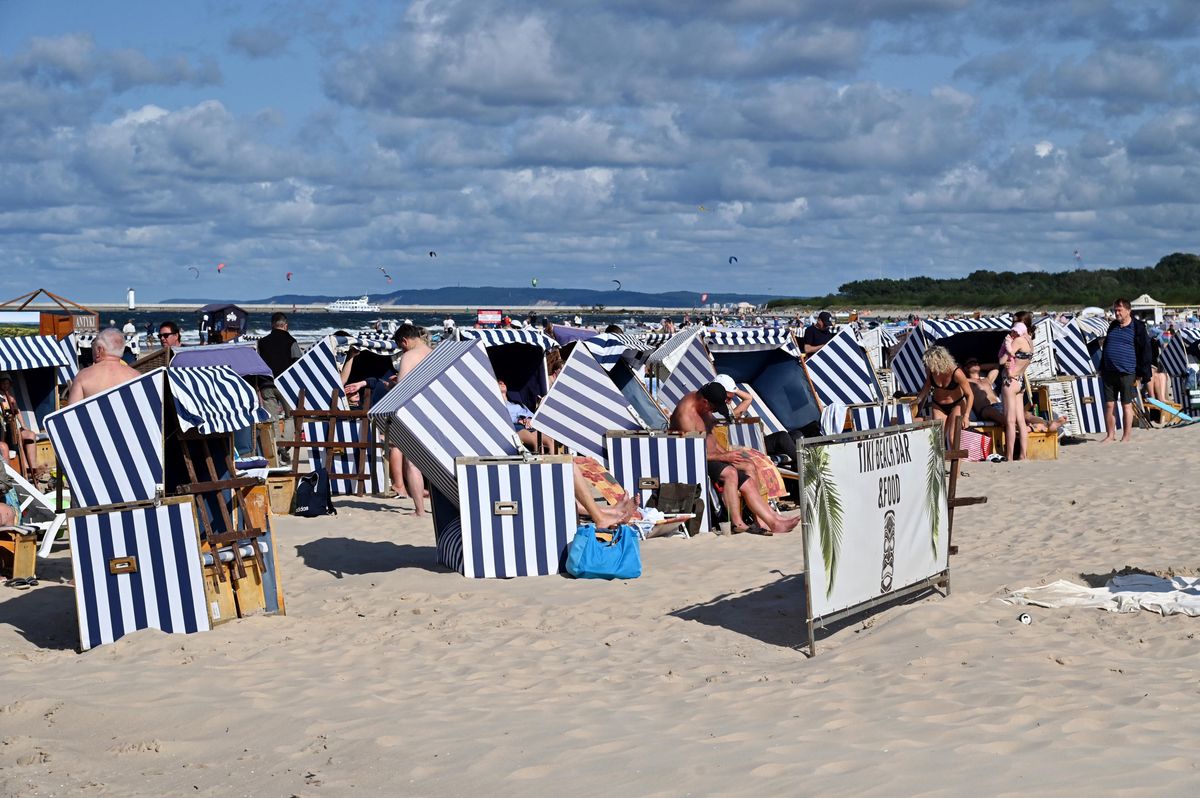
695	413
819	334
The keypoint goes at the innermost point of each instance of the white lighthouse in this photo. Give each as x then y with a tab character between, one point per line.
129	298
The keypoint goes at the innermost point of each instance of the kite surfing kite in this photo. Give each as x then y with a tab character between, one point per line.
220	268
432	254
534	281
704	297
194	269
385	274
289	277
618	282
732	260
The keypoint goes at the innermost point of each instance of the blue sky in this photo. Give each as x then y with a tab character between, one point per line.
573	141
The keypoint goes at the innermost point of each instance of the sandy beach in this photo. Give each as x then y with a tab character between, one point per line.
391	676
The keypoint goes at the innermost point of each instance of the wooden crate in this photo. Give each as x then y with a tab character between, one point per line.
282	493
44	455
1042	445
18	554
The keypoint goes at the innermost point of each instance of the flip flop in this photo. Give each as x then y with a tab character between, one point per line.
17	584
756	529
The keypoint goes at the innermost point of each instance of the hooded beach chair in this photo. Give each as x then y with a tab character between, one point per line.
518	357
166	433
583	406
496	513
842	375
338	440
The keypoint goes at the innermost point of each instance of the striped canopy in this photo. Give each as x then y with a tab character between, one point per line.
1174	357
213	400
841	372
1070	351
23	352
907	366
318	375
502	336
369	343
691	368
944	328
750	339
609	348
449	406
583	404
656	339
1092	327
672	350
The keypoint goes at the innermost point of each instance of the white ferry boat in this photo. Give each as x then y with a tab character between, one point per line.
360	305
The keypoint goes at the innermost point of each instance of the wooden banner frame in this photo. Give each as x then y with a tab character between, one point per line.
938	580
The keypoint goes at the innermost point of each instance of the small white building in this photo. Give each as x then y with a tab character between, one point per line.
1148	309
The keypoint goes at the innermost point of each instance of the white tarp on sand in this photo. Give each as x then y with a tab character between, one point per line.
1124	593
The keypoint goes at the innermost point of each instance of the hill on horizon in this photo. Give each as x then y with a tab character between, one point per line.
506	296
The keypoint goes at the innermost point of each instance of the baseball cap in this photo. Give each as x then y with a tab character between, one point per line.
726	382
716	396
825	316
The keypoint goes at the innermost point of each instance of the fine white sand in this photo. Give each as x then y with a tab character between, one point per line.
391	676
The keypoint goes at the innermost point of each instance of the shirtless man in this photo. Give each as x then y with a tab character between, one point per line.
988	406
694	413
107	370
408	337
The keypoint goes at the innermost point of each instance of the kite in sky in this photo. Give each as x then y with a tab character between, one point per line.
732	260
220	268
385	274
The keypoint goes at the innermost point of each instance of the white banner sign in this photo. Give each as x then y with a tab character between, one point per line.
874	516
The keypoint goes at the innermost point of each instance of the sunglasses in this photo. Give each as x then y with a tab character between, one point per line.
166	334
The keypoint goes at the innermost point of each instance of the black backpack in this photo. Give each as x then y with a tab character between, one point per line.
314	497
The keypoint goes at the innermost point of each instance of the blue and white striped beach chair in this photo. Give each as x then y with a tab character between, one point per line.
317	377
493	509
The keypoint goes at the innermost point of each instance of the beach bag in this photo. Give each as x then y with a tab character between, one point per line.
314	496
592	558
678	498
977	445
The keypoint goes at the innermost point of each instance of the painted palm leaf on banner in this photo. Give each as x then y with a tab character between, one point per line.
823	508
935	481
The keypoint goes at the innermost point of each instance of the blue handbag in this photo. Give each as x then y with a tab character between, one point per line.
592	558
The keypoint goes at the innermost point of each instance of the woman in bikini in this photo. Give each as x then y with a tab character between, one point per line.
949	392
1014	356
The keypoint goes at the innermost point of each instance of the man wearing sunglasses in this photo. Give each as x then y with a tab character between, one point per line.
168	335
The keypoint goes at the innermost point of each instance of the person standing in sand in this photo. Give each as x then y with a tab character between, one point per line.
694	413
1015	354
950	396
108	369
1125	360
412	343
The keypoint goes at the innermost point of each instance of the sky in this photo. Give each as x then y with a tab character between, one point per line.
578	141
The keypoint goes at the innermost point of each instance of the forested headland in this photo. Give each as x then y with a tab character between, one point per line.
1174	280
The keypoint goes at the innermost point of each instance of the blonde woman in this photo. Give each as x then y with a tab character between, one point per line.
949	392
